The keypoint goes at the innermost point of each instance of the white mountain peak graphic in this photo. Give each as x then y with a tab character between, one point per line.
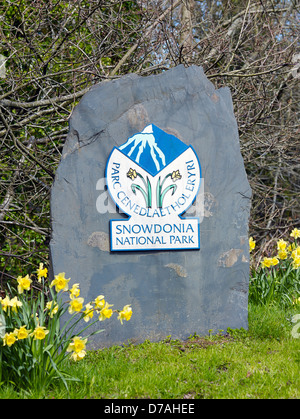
141	140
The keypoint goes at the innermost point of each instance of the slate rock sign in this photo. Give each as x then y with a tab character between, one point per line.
150	206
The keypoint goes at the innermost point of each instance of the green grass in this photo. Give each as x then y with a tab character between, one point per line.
263	362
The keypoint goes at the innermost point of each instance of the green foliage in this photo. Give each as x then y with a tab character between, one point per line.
242	365
273	322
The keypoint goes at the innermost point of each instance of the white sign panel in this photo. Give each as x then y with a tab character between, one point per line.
153	178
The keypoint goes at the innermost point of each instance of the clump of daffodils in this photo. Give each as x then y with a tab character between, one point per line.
278	275
29	323
285	251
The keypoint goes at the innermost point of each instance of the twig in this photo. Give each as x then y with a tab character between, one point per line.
45	102
235	74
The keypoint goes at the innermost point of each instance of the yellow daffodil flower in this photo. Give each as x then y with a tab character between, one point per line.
282	254
15	304
99	302
23	283
266	262
251	244
9	339
296	252
274	261
295	233
78	347
39	333
125	314
78	357
296	262
41	272
106	312
60	282
5	303
74	291
76	305
78	344
281	244
21	333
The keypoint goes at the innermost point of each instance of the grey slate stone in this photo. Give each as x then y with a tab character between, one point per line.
173	293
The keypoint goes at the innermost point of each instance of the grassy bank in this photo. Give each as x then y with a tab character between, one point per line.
263	362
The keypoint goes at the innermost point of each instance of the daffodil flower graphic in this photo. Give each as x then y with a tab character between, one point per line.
132	174
175	175
147	192
160	193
